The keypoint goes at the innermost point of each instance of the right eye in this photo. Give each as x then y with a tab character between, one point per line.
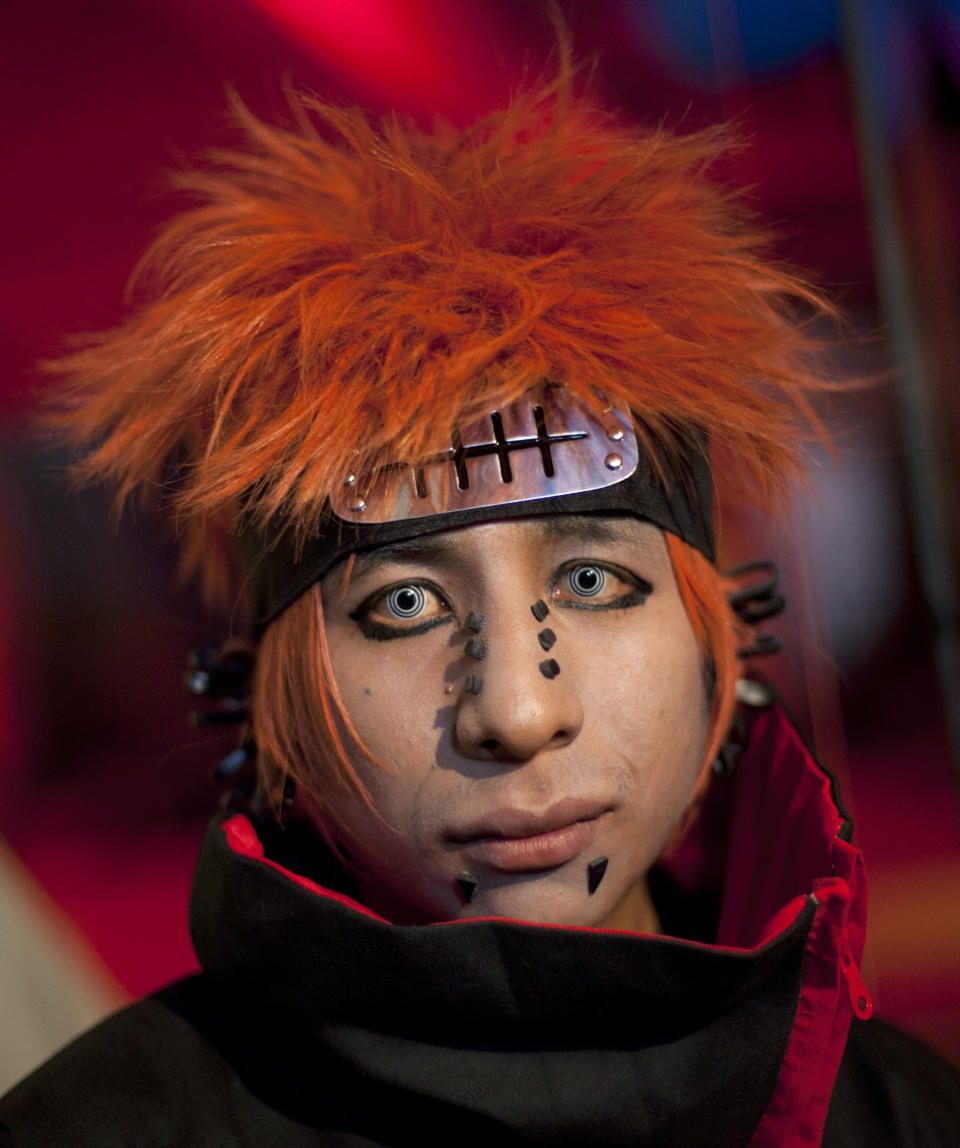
402	611
405	602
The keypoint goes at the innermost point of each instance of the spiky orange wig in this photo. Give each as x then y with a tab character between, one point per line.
345	291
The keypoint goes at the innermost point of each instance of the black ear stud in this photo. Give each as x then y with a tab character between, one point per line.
595	871
468	886
550	668
474	684
540	609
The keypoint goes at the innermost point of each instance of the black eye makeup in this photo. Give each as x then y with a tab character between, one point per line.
402	611
584	585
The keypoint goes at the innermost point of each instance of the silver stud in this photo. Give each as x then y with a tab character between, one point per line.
351	480
356	505
613	462
615	434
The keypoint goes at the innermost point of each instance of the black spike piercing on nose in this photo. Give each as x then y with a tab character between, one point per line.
474	621
539	609
468	886
473	684
475	648
550	668
546	638
595	872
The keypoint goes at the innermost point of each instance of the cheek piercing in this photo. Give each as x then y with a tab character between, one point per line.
550	668
468	886
595	872
473	684
546	638
539	609
475	648
474	622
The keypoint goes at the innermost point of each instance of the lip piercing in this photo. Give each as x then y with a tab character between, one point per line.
473	684
546	638
474	622
595	872
475	648
550	668
468	886
539	609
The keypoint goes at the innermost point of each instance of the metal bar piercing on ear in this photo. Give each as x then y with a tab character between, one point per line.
595	871
468	886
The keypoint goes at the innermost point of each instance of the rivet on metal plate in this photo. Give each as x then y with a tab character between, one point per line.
613	462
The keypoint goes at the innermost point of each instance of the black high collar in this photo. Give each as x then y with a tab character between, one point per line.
457	1031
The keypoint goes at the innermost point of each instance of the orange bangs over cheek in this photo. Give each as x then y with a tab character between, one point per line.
300	723
719	634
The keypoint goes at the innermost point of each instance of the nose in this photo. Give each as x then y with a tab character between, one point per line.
518	710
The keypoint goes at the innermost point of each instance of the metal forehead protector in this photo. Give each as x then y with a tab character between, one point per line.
545	446
547	453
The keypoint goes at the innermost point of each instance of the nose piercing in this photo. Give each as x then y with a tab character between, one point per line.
473	684
539	609
550	668
474	622
546	638
595	872
475	648
468	886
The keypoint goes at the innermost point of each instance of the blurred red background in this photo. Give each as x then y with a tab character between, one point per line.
104	791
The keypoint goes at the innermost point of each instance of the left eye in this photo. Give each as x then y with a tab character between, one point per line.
405	602
587	581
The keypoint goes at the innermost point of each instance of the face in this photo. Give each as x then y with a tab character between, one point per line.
511	747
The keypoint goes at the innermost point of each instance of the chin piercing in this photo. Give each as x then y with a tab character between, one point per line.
550	668
468	886
474	684
474	622
595	872
475	648
546	638
539	609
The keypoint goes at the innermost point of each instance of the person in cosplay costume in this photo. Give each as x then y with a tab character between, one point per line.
524	855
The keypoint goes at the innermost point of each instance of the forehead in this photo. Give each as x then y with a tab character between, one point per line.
530	534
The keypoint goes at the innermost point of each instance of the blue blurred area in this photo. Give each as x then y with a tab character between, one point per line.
773	36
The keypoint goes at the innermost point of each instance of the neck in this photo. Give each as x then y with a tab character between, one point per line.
634	912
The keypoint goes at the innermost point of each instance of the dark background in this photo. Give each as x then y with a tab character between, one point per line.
104	789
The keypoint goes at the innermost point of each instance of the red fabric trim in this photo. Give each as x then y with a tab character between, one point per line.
798	1110
242	839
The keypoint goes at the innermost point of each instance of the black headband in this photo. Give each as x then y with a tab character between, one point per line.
280	566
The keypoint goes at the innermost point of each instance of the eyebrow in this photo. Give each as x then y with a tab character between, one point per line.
442	548
436	548
590	528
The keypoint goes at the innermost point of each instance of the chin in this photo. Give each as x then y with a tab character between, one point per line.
538	899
